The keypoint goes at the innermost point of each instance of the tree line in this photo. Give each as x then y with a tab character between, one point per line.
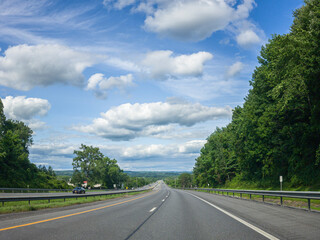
15	168
277	130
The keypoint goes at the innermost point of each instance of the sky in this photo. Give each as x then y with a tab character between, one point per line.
145	81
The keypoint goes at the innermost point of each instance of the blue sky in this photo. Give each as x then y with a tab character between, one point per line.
145	81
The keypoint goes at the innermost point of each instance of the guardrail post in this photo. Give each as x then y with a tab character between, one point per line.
240	195
262	198
309	204
281	200
48	200
64	199
2	204
250	196
29	202
233	194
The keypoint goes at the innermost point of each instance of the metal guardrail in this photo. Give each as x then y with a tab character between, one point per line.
76	196
281	194
21	190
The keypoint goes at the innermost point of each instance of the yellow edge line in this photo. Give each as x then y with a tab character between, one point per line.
74	214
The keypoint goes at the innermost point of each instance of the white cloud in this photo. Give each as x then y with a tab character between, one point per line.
248	38
101	85
22	108
24	67
26	109
192	147
161	64
190	20
129	121
234	69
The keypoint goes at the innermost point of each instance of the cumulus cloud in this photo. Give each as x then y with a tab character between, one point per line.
161	64
248	38
234	69
100	85
26	109
22	108
189	20
23	66
129	121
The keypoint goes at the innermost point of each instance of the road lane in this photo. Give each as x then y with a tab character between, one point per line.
185	217
90	225
286	223
161	214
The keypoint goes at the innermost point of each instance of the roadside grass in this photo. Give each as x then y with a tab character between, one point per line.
289	202
23	206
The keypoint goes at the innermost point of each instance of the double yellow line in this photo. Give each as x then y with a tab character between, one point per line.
74	214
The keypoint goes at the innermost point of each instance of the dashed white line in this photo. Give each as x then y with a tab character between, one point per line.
153	209
163	200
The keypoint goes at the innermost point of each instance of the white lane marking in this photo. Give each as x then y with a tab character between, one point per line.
258	230
153	209
163	200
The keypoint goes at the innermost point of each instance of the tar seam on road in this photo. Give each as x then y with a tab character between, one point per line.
73	214
258	230
144	221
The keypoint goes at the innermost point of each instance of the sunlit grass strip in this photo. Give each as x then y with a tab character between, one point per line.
287	201
23	206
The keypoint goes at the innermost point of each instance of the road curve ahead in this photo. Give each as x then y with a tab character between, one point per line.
160	214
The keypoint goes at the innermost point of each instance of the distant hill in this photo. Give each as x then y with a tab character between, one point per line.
64	172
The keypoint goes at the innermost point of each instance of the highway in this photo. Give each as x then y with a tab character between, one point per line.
164	213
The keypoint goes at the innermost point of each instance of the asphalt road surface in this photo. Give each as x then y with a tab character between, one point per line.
164	214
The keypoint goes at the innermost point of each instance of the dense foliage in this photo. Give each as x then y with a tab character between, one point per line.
277	131
184	180
15	168
92	166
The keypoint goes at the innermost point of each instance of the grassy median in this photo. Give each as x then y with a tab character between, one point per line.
23	206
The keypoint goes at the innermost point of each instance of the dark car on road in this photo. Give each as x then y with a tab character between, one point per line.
79	190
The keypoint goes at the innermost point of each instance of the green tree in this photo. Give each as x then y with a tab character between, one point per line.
15	168
277	131
91	165
185	180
